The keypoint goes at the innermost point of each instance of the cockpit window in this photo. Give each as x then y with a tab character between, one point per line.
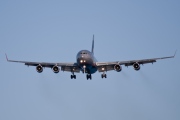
83	53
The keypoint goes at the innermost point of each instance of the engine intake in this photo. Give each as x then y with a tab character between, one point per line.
55	69
136	66
39	68
117	68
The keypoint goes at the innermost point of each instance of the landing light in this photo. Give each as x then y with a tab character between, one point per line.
81	61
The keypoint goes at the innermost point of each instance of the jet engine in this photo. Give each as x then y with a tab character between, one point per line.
39	68
136	66
117	68
55	69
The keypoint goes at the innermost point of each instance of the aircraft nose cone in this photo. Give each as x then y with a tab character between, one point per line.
82	57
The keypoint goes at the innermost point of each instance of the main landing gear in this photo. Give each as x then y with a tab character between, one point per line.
88	76
103	75
73	76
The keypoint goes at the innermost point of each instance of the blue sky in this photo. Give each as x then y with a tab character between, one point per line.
54	31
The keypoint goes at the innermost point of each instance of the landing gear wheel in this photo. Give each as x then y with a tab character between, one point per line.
103	76
73	76
88	76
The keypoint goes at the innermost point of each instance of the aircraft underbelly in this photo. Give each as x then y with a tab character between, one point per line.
92	70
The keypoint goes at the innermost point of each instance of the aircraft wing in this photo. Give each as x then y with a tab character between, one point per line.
69	67
110	65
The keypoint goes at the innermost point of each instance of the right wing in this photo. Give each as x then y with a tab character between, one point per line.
69	67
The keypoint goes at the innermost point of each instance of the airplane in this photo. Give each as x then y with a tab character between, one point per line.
87	63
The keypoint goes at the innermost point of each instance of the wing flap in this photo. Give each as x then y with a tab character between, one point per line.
105	68
70	69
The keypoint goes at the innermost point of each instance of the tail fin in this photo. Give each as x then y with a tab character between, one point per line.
93	45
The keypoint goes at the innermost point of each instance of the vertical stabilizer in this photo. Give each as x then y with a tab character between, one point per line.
93	45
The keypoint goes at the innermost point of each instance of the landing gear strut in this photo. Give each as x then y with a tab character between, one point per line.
88	76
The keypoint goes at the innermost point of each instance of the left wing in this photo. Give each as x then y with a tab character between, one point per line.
106	66
70	67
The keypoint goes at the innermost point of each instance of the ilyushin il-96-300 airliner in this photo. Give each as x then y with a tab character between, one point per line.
87	63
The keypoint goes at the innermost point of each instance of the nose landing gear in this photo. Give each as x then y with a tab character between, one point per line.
84	69
88	76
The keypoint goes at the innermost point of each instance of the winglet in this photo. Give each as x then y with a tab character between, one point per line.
6	57
175	53
93	45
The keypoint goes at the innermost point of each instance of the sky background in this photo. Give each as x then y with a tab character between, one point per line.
55	30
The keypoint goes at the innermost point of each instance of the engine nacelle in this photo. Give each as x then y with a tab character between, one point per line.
39	68
55	69
117	68
136	66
